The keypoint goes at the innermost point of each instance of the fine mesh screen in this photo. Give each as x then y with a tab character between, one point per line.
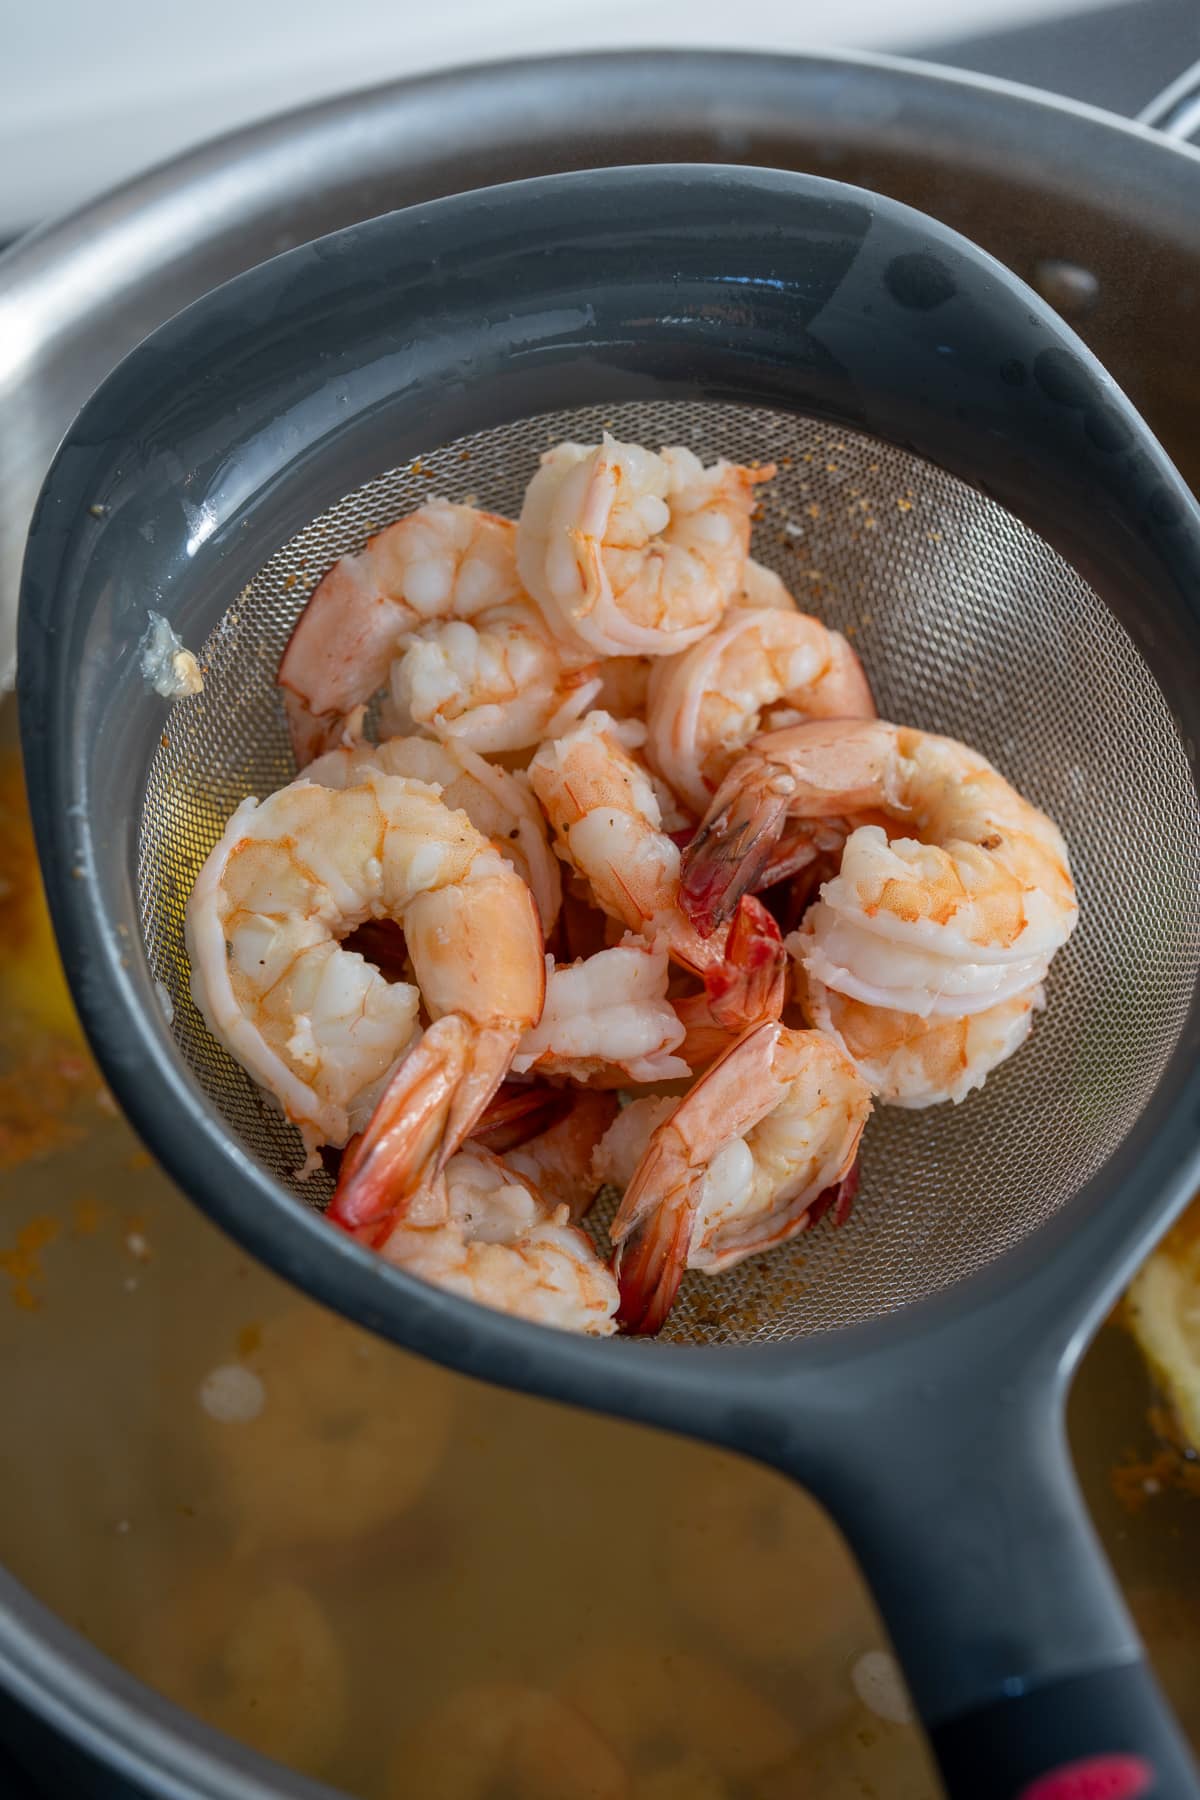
968	624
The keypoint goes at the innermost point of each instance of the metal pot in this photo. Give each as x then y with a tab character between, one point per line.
1102	215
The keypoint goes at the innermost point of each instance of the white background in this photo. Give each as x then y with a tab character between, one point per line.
93	90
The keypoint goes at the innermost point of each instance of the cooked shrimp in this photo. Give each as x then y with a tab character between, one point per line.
624	1143
629	553
496	1239
602	804
503	1736
662	1706
315	1024
497	802
958	917
559	1160
256	1655
433	601
607	1020
760	668
908	1060
740	1164
762	587
623	684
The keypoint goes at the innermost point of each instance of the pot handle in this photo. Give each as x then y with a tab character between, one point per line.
1176	111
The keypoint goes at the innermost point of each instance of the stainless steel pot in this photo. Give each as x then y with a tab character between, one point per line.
1101	214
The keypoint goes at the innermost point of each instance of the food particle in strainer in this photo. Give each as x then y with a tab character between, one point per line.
1163	1310
168	666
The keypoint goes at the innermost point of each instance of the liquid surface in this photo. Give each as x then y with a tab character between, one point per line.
403	1582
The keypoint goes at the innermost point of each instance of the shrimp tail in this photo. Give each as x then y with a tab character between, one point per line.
488	1054
733	846
423	1116
652	1253
749	985
837	1199
311	733
519	1111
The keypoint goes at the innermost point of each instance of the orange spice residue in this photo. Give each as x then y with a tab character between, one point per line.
87	1216
23	1265
249	1339
1174	1467
35	1102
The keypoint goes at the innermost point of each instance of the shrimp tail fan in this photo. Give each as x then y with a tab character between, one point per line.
750	983
733	846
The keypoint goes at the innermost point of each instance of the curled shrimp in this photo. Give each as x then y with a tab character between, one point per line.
603	807
909	1060
962	913
631	553
434	604
314	1023
494	1237
607	1020
762	667
504	1736
497	802
761	1141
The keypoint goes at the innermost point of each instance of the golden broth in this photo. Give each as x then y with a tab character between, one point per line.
404	1582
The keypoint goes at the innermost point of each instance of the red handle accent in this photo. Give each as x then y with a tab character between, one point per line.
1095	1778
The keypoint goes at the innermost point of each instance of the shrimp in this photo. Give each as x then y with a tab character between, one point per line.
607	1020
559	1160
496	1239
623	684
762	587
962	915
604	809
629	553
762	667
435	603
350	1438
671	1712
504	1736
315	1024
497	802
739	1166
908	1060
256	1655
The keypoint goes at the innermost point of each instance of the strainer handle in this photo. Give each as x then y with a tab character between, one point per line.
1105	1735
952	1479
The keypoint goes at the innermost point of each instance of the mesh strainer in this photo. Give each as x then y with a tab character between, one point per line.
961	488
